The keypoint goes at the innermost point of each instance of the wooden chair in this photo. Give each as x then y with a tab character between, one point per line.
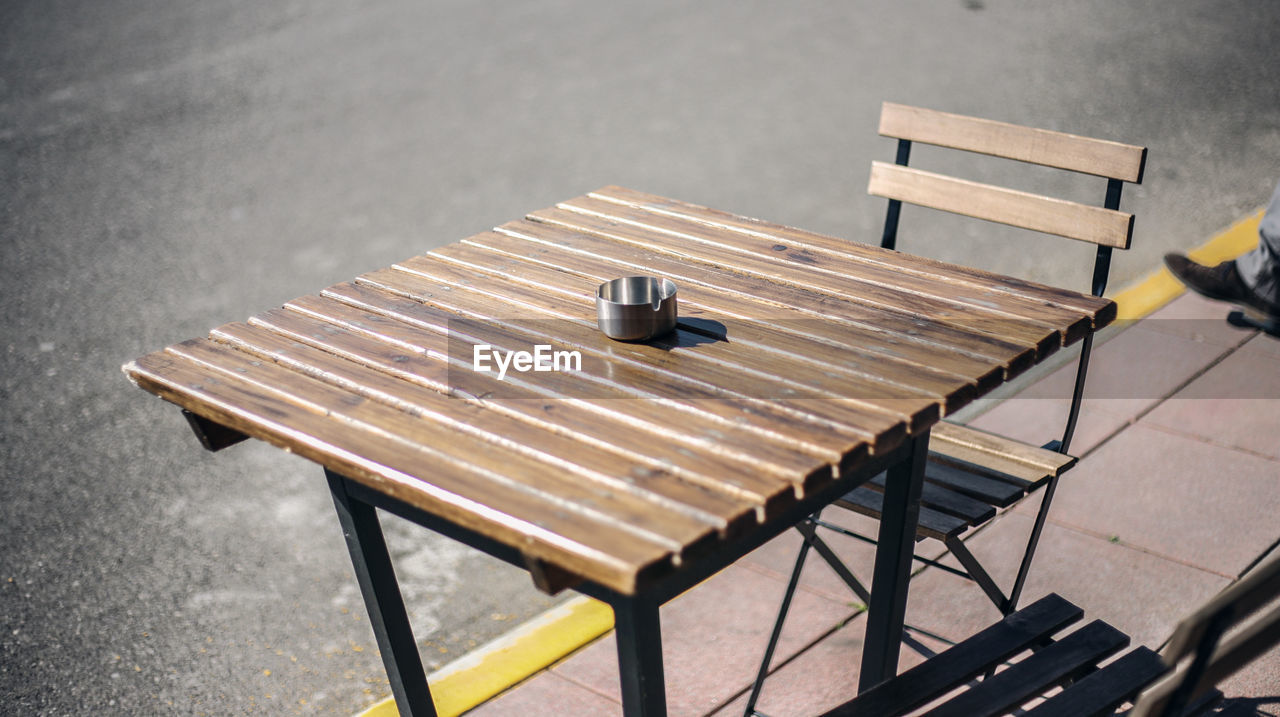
973	474
1224	635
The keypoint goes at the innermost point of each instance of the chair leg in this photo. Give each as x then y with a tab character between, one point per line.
829	555
777	625
978	574
1032	542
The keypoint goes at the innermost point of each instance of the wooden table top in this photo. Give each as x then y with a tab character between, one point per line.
796	357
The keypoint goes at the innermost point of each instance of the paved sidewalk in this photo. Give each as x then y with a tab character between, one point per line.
1182	414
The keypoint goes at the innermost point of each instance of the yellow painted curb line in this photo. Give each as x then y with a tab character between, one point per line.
496	666
1159	287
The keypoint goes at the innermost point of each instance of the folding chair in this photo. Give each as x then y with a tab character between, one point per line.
974	474
1222	636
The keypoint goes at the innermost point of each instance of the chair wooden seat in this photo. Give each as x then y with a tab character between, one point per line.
959	492
1025	663
972	474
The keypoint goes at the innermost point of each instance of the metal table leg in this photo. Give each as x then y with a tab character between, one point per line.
887	610
639	636
383	601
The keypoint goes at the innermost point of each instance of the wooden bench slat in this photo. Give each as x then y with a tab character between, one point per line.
1003	454
944	500
697	495
979	485
773	457
931	524
482	440
1101	310
1105	690
1048	667
769	273
671	372
595	549
1007	206
841	266
1099	157
964	661
701	306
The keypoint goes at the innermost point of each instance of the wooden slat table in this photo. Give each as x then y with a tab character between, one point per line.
802	366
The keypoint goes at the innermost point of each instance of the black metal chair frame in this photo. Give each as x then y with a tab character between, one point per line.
973	569
1208	646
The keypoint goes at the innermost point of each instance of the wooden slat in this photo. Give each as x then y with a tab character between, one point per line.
1038	146
542	243
944	500
978	485
478	439
773	358
841	265
595	549
931	524
1064	660
819	429
844	268
1006	455
614	458
961	663
666	438
767	273
738	374
1007	206
1105	690
718	312
1102	311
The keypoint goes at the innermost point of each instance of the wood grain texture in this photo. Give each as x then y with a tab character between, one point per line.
789	367
1000	139
1007	206
1100	309
765	273
1003	454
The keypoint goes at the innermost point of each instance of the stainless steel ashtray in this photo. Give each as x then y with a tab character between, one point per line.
636	308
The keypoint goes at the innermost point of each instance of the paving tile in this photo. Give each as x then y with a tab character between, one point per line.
1259	680
777	557
548	695
1141	594
1194	317
1263	343
1132	371
1235	404
821	677
713	639
1039	420
1176	496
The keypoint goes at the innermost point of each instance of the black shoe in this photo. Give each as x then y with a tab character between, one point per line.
1221	282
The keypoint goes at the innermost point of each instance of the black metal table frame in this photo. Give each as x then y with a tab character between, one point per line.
636	620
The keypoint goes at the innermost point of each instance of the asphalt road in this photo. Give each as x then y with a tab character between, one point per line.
166	167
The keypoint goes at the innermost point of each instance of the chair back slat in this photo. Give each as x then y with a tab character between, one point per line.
1037	146
1233	607
1097	225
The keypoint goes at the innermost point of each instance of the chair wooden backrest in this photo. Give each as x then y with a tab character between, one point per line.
1217	640
1106	226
